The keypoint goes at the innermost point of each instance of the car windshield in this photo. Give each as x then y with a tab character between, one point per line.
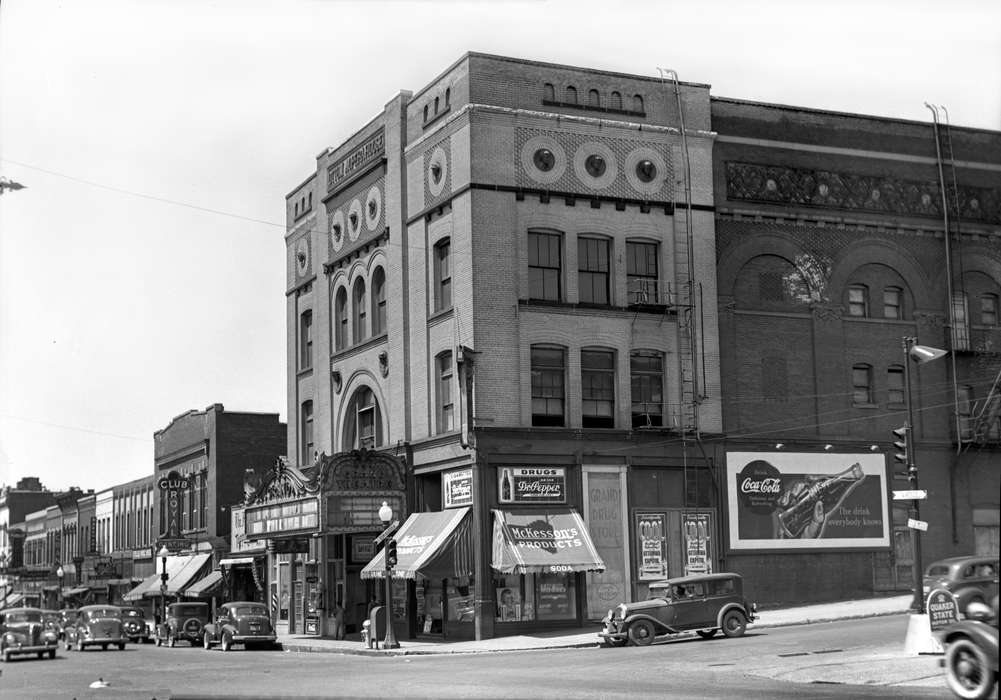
132	613
98	613
242	610
188	610
23	617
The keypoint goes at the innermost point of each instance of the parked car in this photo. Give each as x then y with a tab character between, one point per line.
701	603
53	620
970	579
23	632
971	652
183	621
96	625
134	624
240	623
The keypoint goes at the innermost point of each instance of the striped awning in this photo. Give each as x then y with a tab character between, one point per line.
428	542
553	540
181	570
206	587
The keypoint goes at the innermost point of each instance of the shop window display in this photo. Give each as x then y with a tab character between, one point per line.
529	597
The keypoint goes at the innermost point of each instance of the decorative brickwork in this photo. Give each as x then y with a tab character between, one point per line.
883	195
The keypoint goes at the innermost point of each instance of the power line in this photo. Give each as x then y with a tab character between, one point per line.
76	428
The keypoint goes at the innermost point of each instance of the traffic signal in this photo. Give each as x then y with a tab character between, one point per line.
391	553
902	443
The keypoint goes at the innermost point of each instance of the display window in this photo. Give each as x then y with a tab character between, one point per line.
444	600
528	597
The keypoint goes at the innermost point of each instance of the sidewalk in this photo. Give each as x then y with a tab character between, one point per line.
588	636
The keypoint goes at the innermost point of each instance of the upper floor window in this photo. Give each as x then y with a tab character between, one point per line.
862	384
989	309
895	385
960	322
378	301
341	319
641	273
597	385
646	380
858	301
593	98
892	300
363	423
548	92
615	102
446	405
571	95
548	385
593	270
637	103
359	307
964	411
306	340
545	255
442	275
306	431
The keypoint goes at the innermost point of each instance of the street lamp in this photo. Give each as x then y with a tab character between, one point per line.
59	574
386	515
163	553
919	354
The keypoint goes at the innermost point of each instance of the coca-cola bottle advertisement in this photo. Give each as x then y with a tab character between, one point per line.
794	500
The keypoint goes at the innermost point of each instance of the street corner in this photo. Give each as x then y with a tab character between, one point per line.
840	668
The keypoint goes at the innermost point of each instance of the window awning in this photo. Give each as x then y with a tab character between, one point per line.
12	600
206	587
428	541
554	540
79	590
236	561
180	571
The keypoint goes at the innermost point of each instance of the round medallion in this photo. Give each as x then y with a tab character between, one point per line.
543	159
337	230
373	208
646	170
354	219
823	189
594	164
437	173
302	256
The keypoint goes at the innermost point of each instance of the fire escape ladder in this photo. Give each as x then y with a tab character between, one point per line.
987	415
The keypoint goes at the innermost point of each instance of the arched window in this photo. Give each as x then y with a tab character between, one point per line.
448	96
378	302
359	308
593	98
306	433
616	101
862	384
436	105
363	421
309	201
637	103
597	388
306	339
549	371
442	275
548	93
297	210
341	319
425	112
444	399
571	95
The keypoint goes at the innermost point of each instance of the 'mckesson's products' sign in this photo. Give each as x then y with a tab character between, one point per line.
532	485
354	162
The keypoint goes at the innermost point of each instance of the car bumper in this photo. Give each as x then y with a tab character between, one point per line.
32	649
88	641
611	632
243	638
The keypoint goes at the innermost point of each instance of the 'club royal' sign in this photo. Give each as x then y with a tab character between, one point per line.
532	485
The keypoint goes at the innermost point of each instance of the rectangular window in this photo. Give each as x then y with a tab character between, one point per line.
306	426
964	411
646	379
989	310
895	385
960	326
442	276
366	426
857	301
306	340
446	408
891	302
341	319
597	380
641	273
545	257
862	384
592	266
548	379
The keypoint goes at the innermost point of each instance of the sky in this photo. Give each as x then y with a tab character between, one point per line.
142	269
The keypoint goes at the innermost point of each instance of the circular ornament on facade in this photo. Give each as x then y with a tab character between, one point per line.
645	162
373	208
354	219
974	204
543	159
925	199
594	164
337	230
875	195
437	173
823	189
302	256
771	185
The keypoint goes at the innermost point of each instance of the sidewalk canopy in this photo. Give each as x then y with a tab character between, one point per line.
12	600
237	561
554	540
428	541
206	587
180	571
79	590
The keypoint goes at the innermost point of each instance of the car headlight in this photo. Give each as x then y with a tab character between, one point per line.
9	638
51	634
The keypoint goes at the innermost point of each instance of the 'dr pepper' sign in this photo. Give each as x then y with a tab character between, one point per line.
943	609
532	485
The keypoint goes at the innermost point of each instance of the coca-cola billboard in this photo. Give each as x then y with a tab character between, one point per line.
805	500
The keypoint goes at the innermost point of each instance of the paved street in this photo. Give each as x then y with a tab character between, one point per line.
824	660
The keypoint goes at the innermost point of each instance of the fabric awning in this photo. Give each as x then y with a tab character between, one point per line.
206	587
79	590
554	540
426	541
13	600
236	561
180	571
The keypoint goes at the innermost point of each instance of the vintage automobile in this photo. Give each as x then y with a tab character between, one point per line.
23	632
701	603
95	625
53	620
970	579
134	624
971	652
183	621
248	624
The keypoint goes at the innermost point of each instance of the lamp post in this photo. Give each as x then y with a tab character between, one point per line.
386	515
163	553
919	354
59	574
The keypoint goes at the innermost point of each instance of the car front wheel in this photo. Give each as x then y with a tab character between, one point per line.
641	633
734	624
706	634
227	641
967	671
207	641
